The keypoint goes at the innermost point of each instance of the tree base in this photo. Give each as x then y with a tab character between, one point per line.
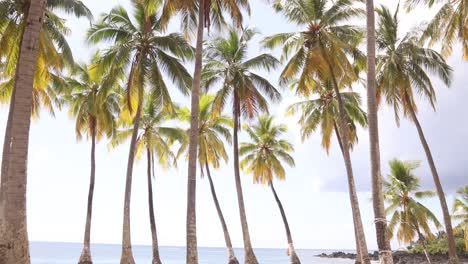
249	257
156	260
294	258
233	260
85	257
127	257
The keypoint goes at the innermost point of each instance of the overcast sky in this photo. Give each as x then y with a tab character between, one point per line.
314	196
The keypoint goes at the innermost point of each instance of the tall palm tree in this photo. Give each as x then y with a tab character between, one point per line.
213	132
380	222
460	213
322	112
143	49
408	217
263	157
94	103
321	54
54	53
199	14
449	24
227	63
14	246
154	137
403	70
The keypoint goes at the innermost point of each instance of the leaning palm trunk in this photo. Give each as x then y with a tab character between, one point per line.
349	169
356	233
423	244
191	222
249	256
154	237
227	237
385	251
14	244
291	251
127	254
453	258
85	257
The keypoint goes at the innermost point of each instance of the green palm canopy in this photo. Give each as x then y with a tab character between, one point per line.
265	155
410	219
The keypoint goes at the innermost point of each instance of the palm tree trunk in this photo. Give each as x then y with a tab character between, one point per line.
154	236
14	244
227	237
453	258
291	251
423	244
383	243
191	221
249	256
356	233
349	169
127	254
85	257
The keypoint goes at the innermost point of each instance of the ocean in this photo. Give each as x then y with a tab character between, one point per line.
68	253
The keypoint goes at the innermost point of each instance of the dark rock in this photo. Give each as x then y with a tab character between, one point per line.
399	257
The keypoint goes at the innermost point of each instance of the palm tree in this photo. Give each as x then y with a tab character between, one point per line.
322	112
383	243
448	25
154	137
94	103
199	14
227	63
14	246
141	48
460	213
213	129
264	157
409	217
403	70
54	53
321	54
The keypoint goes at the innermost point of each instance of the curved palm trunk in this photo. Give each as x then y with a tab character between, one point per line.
453	258
85	257
154	236
249	256
127	254
14	244
191	222
383	243
227	237
356	233
291	251
349	169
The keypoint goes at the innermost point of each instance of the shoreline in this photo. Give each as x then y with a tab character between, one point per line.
399	257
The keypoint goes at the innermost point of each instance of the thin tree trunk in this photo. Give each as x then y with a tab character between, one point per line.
423	244
154	236
383	243
291	251
14	244
349	169
85	257
453	258
249	256
356	233
227	237
191	221
127	254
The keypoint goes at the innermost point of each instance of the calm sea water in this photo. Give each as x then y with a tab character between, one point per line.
68	253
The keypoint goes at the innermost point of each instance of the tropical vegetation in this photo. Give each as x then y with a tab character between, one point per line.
126	92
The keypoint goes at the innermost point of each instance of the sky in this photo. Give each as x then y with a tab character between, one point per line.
314	195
